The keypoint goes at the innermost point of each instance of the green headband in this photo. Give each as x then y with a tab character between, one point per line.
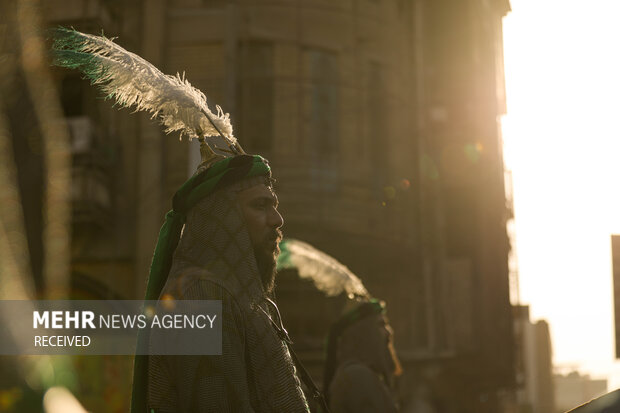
221	174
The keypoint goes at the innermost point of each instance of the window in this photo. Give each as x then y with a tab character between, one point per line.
376	142
256	96
322	114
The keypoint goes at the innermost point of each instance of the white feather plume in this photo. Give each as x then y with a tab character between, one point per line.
134	82
327	273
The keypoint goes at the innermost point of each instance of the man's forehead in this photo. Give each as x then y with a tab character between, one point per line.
258	191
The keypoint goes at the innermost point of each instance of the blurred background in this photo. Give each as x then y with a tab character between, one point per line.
383	121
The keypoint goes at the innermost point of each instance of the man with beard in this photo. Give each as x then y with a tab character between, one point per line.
227	251
361	362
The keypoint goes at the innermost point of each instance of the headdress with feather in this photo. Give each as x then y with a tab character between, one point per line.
135	83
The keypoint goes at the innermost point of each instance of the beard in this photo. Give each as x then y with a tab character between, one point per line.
266	255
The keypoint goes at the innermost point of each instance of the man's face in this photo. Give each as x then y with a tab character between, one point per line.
380	340
259	206
379	332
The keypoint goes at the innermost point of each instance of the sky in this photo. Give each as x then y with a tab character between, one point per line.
562	143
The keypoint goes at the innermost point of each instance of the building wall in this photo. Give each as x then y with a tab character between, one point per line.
464	245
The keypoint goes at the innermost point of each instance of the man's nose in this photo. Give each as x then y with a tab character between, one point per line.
275	219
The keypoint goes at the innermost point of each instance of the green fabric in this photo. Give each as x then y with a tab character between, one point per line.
218	176
69	50
162	260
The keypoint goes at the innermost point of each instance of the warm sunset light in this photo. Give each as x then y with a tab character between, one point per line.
562	142
387	206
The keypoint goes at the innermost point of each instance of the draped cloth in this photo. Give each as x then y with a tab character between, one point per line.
214	260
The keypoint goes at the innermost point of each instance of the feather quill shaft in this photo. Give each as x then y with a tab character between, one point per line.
327	273
135	83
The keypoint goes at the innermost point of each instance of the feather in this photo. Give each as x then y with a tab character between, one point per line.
135	83
327	273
